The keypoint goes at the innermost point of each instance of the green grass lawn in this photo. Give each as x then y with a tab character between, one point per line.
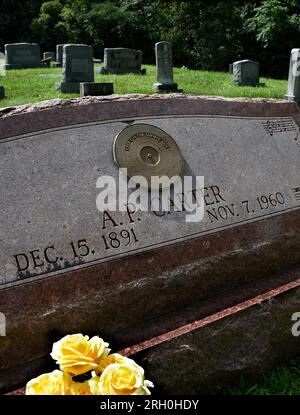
27	86
282	380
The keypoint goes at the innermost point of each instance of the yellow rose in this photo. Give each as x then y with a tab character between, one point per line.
54	383
113	358
121	379
76	354
78	388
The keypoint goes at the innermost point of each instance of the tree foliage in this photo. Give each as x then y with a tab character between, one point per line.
204	34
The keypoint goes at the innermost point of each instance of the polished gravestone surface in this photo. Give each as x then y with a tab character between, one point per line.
66	267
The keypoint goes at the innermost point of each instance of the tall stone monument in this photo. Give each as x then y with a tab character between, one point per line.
293	91
78	66
164	68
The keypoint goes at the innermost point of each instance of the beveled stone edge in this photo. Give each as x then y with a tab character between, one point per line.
198	324
49	115
60	102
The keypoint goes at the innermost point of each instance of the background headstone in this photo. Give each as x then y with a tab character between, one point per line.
230	68
59	55
246	72
2	92
47	62
96	88
22	55
78	66
122	60
164	68
293	90
47	55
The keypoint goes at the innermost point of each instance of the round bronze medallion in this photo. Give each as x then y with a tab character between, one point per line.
146	150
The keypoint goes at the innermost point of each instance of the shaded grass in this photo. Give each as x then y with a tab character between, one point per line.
282	380
27	86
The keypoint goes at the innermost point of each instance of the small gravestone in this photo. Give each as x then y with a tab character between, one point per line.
59	55
47	61
22	55
78	67
47	55
230	68
164	68
2	92
246	73
96	88
121	61
293	91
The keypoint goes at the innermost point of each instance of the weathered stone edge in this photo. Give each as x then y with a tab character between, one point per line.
55	103
246	339
218	351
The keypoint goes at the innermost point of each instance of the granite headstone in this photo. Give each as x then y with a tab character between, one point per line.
59	55
78	67
164	68
293	90
246	73
47	55
121	61
22	55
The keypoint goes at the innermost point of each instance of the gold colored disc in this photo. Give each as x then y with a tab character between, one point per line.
146	150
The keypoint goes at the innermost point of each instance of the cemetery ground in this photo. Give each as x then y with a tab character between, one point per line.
34	85
282	380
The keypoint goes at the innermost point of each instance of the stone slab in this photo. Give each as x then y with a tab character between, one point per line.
238	343
191	344
96	88
174	263
237	184
165	87
2	92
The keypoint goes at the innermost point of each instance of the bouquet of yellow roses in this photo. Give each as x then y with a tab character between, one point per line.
111	374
